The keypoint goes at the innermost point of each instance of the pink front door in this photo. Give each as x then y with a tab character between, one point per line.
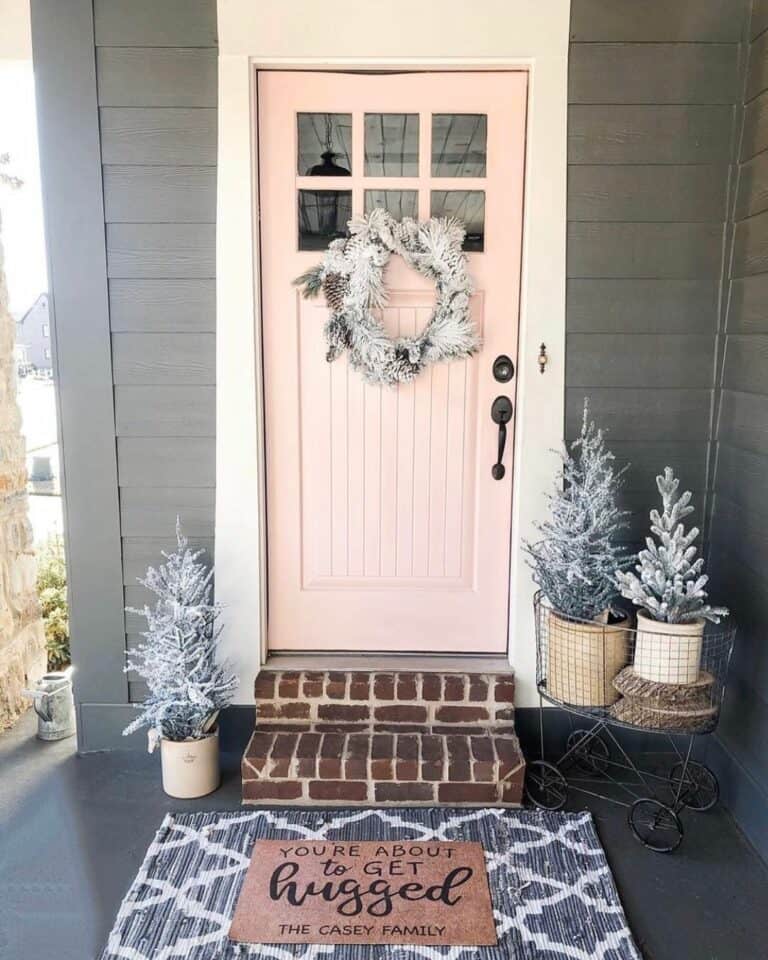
386	530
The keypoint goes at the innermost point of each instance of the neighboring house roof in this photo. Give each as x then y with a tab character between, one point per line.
41	301
33	331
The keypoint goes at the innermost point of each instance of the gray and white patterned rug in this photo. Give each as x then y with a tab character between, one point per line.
553	894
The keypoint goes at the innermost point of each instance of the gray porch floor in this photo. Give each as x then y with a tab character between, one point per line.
73	831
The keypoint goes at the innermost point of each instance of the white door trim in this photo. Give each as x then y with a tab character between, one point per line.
271	35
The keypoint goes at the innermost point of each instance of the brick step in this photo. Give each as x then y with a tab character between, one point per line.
329	701
363	738
419	768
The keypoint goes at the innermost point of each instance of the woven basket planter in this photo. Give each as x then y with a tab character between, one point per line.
583	658
668	652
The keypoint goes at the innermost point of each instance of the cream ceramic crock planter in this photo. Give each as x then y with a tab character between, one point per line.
668	652
583	658
190	767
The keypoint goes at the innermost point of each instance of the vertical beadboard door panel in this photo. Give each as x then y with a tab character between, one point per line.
386	529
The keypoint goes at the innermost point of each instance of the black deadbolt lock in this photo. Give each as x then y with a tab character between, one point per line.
503	369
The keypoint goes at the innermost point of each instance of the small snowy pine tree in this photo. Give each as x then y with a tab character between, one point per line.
187	688
576	560
670	585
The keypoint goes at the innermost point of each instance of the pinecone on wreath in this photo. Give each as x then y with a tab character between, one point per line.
335	289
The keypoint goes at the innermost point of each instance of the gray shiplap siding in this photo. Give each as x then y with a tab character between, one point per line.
652	94
739	533
156	71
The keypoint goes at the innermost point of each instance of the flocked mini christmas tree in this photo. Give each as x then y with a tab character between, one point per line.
669	583
576	559
187	687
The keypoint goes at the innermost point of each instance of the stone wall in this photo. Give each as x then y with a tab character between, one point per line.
22	641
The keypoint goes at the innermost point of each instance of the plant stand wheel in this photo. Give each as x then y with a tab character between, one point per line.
700	790
593	756
655	825
545	786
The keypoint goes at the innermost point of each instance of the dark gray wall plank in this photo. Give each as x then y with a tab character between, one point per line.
652	133
164	358
646	461
161	250
155	194
162	411
744	420
137	691
163	306
152	511
733	526
754	137
140	77
652	73
142	552
748	602
639	360
714	21
648	416
752	192
748	305
166	461
757	68
743	723
644	249
147	23
102	727
65	76
746	364
741	478
750	246
647	193
759	20
164	135
739	520
642	306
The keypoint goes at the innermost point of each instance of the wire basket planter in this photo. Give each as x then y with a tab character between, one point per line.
658	678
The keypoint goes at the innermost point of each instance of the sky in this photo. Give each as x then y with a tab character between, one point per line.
21	210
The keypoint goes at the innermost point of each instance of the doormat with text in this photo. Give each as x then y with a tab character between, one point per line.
381	883
374	891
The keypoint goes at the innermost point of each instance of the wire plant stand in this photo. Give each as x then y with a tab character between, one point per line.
615	677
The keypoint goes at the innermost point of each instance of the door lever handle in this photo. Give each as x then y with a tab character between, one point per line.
501	413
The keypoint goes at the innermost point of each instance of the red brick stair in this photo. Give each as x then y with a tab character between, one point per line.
412	738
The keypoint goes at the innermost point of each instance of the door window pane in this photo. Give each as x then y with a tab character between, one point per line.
400	203
458	144
467	206
323	216
325	144
391	144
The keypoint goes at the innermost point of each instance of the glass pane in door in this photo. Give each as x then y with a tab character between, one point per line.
391	144
323	216
324	144
399	203
459	144
467	206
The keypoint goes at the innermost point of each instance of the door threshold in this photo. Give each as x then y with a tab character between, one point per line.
420	662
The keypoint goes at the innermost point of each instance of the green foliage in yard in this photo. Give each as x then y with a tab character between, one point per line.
52	588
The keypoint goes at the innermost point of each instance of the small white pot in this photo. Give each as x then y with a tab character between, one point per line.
668	652
190	767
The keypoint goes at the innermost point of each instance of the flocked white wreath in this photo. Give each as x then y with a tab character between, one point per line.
351	276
